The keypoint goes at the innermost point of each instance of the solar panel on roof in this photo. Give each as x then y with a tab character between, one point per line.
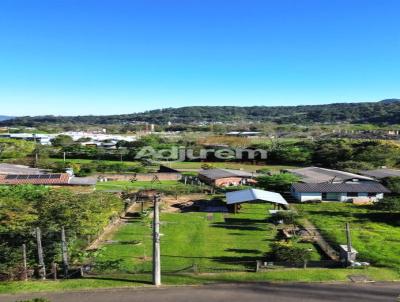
55	176
44	176
33	176
23	176
11	176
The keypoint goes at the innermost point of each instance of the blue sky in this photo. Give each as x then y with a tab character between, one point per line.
106	57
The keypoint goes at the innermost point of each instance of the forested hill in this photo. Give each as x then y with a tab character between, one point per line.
5	117
383	112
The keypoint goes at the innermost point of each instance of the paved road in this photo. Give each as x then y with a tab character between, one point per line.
249	292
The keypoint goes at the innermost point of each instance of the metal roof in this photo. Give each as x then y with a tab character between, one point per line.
319	175
382	173
254	195
224	173
82	181
56	179
35	179
362	187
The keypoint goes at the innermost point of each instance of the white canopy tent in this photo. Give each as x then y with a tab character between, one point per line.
254	195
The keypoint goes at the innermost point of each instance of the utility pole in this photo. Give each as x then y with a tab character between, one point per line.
64	156
156	243
42	268
64	250
25	274
348	239
36	158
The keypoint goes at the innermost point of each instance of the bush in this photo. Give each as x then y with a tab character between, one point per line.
389	204
288	252
288	217
279	182
207	166
393	184
354	166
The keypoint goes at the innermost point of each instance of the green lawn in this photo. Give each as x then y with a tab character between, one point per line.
227	242
375	234
208	240
88	161
186	165
134	280
226	165
212	242
164	185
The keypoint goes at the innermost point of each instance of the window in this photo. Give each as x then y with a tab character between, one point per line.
352	194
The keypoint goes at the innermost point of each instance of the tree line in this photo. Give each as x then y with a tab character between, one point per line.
384	112
24	208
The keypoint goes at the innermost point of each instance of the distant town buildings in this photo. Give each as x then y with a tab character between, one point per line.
93	138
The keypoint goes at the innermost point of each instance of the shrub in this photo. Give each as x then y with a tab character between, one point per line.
288	252
389	204
393	184
279	182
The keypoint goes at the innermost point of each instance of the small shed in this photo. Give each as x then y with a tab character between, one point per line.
254	195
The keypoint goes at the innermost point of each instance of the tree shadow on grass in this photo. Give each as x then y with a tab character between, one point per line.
330	213
241	224
237	227
118	278
392	219
244	251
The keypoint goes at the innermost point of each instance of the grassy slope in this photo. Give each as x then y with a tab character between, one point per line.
375	234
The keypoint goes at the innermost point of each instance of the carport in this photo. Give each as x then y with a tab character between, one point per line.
255	195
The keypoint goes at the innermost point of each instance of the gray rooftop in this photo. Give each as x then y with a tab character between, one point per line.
249	195
82	181
381	173
320	175
367	187
224	173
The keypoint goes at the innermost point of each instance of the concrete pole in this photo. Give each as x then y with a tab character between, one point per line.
64	250
348	237
24	263
156	243
42	268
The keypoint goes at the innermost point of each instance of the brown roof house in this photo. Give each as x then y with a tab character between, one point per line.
50	179
225	177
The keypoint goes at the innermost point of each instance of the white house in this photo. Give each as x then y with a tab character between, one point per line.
369	191
333	185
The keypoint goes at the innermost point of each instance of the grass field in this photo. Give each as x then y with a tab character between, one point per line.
375	234
164	185
226	242
226	165
88	161
135	280
208	240
187	165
